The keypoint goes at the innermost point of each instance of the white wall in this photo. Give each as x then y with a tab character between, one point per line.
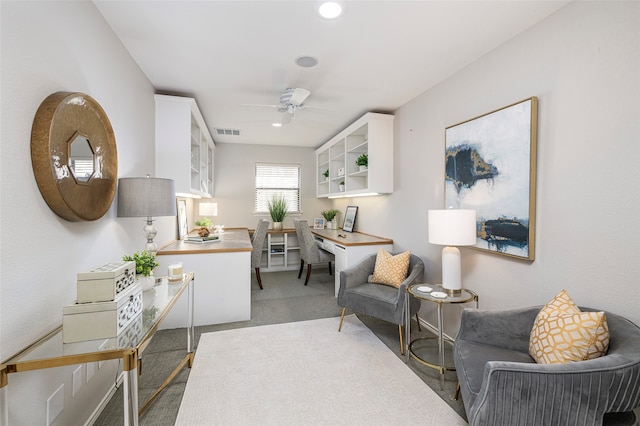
47	47
583	63
235	183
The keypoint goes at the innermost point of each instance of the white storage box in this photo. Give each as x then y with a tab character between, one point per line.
106	282
101	320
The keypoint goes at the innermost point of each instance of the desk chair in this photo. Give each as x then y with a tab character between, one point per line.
309	250
257	241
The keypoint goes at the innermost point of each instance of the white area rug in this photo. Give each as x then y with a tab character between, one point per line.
306	373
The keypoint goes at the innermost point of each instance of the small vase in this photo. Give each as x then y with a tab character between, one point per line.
277	226
329	224
147	282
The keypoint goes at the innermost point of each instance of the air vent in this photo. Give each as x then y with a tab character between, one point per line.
228	132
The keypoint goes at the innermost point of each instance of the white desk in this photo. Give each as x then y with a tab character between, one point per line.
223	269
349	247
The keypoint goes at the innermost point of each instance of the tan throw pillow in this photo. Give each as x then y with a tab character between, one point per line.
389	269
562	333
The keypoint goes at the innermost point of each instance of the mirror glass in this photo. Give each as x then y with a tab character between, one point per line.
81	159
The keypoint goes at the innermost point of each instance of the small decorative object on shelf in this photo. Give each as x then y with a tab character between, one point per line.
341	186
278	210
145	264
363	162
326	175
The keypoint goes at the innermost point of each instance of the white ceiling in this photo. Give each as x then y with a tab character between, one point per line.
376	57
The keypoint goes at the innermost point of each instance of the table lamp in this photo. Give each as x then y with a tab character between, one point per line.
453	227
147	197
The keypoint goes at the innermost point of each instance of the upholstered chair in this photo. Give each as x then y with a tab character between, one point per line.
381	301
257	241
502	384
309	250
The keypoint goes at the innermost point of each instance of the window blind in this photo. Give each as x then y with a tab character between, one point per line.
277	180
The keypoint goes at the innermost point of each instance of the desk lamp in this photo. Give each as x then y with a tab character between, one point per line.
453	227
147	197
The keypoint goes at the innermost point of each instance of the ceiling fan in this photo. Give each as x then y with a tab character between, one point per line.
290	101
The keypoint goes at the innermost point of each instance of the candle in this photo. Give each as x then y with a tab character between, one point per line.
175	272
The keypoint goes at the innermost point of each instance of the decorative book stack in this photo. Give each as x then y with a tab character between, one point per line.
109	299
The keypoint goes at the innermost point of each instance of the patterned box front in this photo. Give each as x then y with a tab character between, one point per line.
101	320
104	283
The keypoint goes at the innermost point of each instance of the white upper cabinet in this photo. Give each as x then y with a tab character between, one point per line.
184	147
370	136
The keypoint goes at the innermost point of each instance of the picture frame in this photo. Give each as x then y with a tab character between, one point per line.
183	227
490	167
318	223
350	218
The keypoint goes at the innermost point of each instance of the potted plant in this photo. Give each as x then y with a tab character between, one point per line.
326	175
329	216
145	264
362	161
278	210
341	185
204	223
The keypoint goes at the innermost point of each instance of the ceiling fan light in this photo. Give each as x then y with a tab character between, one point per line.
330	9
306	61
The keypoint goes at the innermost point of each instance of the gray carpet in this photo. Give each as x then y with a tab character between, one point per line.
284	299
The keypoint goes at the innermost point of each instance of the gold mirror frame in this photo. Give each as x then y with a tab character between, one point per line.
61	117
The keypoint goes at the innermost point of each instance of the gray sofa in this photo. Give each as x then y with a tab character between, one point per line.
501	384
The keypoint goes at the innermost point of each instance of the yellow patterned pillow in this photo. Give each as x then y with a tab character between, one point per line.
389	269
562	333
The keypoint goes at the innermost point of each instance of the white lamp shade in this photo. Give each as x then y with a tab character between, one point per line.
453	227
146	197
208	209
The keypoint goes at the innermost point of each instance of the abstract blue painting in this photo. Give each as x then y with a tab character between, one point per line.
490	167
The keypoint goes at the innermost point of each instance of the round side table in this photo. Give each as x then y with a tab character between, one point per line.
426	292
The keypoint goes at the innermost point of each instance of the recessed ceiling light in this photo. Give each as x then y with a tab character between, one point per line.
306	61
277	124
330	9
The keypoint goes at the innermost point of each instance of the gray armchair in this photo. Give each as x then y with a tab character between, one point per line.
309	250
257	241
502	384
378	300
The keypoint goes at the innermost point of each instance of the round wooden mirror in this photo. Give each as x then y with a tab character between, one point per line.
74	157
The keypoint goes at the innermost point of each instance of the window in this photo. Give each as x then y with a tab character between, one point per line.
277	180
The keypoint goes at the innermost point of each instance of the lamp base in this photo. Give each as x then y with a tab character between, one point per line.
451	292
451	271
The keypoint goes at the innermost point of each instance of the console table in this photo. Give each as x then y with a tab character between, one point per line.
50	352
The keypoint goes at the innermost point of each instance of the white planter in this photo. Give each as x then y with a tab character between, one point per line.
341	187
147	283
277	226
363	168
329	224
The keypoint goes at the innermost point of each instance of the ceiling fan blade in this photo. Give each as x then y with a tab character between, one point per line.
299	96
260	105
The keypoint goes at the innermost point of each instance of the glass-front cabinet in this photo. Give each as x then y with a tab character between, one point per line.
358	160
184	147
